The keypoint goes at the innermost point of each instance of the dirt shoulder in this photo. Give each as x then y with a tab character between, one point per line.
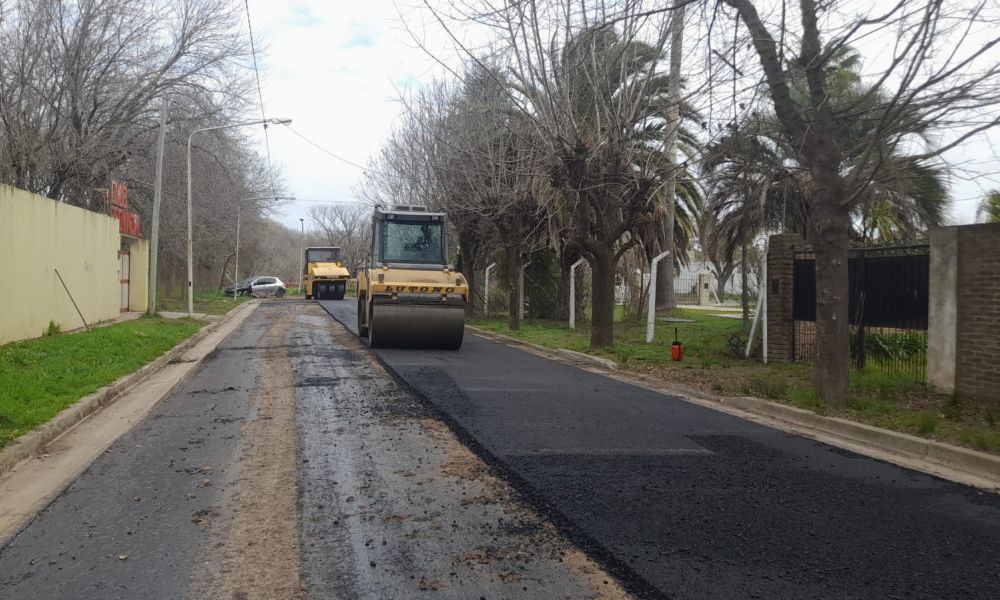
393	505
253	548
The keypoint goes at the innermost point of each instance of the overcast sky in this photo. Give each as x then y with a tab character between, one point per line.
338	68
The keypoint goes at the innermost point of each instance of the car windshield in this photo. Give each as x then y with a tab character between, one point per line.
322	254
413	242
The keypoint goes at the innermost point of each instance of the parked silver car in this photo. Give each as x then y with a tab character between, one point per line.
267	286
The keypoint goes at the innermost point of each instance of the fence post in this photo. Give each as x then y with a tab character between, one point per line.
486	289
763	294
704	293
651	309
943	301
520	290
572	292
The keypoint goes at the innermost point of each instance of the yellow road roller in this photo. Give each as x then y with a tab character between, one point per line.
408	294
323	276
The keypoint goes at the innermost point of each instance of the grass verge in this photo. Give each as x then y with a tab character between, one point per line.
209	303
713	362
40	377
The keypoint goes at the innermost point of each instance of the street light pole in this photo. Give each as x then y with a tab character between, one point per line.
190	239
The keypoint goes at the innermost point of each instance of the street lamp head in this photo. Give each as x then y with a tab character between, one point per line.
279	121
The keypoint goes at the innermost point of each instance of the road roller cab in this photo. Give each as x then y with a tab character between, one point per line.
324	277
408	294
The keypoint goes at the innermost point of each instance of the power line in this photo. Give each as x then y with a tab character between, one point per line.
353	201
260	96
334	155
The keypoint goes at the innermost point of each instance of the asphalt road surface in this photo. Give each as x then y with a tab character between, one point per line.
684	502
291	465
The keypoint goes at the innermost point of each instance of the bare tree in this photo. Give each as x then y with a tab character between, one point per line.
587	78
347	226
939	66
78	80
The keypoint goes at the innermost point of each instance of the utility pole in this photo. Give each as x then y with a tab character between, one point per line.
154	234
236	269
665	279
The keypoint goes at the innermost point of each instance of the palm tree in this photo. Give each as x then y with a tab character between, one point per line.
989	207
601	108
756	186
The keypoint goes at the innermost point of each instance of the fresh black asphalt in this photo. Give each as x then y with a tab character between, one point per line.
686	502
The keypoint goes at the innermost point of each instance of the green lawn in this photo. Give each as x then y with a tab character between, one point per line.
713	361
40	377
209	303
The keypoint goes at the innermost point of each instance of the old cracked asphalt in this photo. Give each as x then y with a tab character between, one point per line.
684	502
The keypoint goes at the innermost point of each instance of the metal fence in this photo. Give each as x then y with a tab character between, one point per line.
686	288
888	303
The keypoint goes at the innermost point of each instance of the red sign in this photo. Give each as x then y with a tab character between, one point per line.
119	194
128	221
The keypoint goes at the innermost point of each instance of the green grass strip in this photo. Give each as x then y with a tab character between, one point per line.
40	377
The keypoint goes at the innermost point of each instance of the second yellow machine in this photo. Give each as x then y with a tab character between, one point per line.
324	277
408	294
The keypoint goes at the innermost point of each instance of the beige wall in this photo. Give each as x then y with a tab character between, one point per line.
138	290
38	236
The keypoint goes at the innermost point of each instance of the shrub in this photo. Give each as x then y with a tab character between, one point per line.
927	423
766	387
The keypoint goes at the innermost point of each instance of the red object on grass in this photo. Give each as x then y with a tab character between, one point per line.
676	350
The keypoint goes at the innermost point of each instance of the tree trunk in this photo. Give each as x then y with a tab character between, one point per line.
602	329
222	275
744	284
466	265
665	270
562	289
829	238
665	279
474	295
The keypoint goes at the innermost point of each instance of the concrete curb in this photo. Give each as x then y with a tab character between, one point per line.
984	468
564	355
607	363
33	443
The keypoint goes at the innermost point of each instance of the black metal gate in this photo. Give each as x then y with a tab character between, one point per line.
889	296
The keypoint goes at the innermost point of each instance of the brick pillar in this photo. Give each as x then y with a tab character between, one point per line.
780	325
977	323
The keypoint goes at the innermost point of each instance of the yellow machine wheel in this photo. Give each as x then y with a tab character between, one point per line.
416	326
